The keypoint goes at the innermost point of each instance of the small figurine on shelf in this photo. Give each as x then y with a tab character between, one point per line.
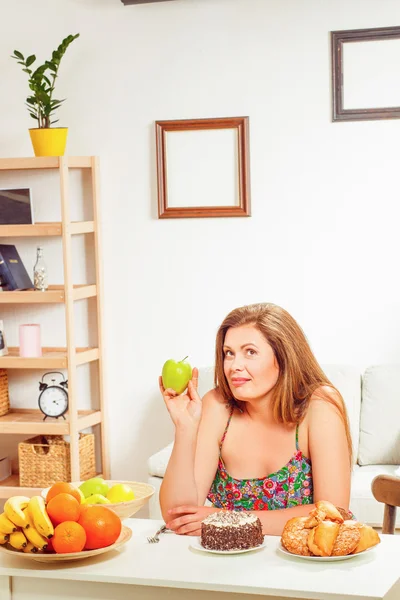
40	280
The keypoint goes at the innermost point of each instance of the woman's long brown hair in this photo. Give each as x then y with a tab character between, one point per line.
299	372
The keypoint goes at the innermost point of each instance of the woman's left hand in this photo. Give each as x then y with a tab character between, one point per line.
186	520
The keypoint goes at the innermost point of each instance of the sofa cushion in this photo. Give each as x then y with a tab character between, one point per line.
347	380
206	380
157	463
380	416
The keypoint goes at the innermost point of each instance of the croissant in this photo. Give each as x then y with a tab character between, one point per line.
321	539
324	511
368	538
327	531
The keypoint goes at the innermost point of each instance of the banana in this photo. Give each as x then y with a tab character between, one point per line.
32	534
6	526
30	548
13	509
38	514
4	537
17	540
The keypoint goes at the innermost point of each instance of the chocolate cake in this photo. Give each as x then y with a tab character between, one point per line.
230	530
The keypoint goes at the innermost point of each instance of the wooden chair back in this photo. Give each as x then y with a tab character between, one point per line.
386	489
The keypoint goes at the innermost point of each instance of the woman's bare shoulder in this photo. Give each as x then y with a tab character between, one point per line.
324	401
215	413
214	401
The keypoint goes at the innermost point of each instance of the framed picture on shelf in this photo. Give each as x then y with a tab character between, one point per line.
3	344
16	206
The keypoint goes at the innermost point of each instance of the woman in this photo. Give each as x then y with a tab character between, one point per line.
272	437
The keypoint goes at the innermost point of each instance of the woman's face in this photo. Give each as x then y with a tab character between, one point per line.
250	366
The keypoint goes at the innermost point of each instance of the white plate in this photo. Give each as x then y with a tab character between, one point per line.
322	558
196	545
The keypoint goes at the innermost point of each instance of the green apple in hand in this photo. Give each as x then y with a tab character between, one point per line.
176	375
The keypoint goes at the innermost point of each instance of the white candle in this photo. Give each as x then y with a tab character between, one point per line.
29	340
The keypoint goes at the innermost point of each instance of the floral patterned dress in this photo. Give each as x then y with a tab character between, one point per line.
290	486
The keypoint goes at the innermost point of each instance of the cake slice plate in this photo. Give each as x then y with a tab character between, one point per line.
196	545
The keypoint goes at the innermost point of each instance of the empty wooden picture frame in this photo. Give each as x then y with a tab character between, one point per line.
203	168
365	76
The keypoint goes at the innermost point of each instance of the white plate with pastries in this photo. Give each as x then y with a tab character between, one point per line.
323	558
327	535
196	545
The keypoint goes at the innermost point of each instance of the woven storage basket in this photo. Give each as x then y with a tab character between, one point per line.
45	460
4	398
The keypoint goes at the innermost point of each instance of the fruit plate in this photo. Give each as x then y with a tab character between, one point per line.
124	536
196	545
143	492
323	558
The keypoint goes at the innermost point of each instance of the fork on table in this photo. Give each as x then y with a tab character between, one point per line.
154	539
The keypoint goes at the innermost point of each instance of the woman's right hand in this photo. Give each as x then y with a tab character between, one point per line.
185	409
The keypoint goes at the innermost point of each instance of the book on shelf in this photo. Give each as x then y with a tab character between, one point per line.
13	275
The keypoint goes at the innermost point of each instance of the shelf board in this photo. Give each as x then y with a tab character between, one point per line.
30	422
52	358
37	230
46	229
44	162
54	295
10	487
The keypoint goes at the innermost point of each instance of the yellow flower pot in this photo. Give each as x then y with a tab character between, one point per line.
49	142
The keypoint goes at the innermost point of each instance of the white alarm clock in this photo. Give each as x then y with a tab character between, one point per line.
53	398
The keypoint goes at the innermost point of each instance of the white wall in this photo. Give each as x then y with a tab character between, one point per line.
323	237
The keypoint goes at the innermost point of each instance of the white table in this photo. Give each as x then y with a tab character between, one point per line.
143	571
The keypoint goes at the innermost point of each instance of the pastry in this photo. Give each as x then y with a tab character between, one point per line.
346	514
295	536
347	539
327	531
368	538
322	538
325	511
230	530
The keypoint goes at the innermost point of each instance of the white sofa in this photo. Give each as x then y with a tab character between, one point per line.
373	403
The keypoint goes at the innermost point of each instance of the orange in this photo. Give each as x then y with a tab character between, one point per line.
63	507
68	537
102	526
63	488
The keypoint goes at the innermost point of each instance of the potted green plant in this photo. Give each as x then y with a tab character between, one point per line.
46	140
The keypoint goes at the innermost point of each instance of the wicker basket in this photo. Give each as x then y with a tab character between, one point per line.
45	460
4	398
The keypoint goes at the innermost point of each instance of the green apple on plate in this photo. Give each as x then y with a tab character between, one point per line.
96	499
176	375
93	486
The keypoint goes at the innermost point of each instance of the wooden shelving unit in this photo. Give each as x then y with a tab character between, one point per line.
30	422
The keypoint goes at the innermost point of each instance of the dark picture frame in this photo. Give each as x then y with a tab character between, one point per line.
240	148
16	206
338	39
